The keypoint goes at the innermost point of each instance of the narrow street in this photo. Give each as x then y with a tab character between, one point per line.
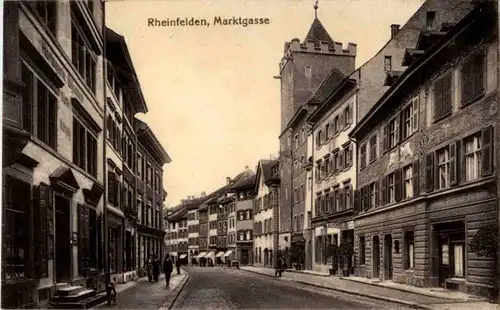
221	288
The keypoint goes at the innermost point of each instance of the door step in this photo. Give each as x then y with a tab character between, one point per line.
75	297
86	303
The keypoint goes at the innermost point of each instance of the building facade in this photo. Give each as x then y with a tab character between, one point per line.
427	186
333	179
53	181
302	69
266	197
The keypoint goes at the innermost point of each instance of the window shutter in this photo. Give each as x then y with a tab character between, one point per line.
341	121
429	172
367	197
341	160
316	209
356	201
466	73
398	184
453	163
341	199
376	193
487	151
83	238
416	178
383	190
478	73
351	196
398	127
385	139
332	202
43	196
351	112
447	103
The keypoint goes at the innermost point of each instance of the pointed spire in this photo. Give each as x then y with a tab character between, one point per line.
316	9
318	33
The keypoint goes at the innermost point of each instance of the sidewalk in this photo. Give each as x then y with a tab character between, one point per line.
143	294
390	291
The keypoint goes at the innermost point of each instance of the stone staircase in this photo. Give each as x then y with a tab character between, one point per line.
75	297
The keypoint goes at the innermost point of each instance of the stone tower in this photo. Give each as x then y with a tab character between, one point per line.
305	65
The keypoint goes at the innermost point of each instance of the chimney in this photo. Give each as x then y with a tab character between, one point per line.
246	167
394	30
228	180
203	194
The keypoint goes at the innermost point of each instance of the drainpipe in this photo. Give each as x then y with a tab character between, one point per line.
498	143
312	185
104	160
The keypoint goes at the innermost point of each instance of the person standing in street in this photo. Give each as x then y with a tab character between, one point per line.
278	267
156	268
149	267
178	266
168	267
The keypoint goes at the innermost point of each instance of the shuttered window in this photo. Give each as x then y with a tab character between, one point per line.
442	96
472	77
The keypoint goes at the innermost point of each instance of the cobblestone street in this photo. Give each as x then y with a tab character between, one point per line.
221	288
145	294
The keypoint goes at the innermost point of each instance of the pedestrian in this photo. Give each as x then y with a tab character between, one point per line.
278	267
168	268
156	269
149	268
178	266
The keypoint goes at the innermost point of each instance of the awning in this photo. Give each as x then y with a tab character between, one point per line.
220	254
201	255
182	256
228	253
210	255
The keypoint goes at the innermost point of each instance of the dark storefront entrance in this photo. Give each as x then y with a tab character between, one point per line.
376	256
63	237
388	257
451	252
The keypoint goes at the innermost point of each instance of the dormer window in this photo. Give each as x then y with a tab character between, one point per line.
430	20
388	63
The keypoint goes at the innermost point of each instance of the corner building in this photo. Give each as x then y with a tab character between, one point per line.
427	186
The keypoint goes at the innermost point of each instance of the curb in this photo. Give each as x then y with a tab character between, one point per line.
397	301
167	304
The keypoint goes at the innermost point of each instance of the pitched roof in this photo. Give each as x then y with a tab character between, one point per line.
318	33
244	179
264	168
327	87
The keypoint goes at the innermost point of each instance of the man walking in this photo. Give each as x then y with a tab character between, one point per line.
178	266
168	267
279	267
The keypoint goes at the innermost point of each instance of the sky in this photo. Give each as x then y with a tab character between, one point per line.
212	99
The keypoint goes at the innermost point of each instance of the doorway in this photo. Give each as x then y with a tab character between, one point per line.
388	257
376	257
244	256
444	262
62	245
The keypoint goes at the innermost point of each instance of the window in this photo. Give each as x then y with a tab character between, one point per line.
303	133
392	133
296	141
140	172
373	192
458	260
472	157
327	131
472	74
391	188
443	168
83	57
388	63
408	182
410	250
348	155
430	20
373	148
362	250
39	108
307	71
47	11
362	156
442	96
84	148
347	116
16	231
336	125
347	193
410	118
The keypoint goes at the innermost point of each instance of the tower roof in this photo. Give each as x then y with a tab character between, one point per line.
318	33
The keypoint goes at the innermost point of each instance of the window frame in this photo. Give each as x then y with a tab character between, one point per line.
443	167
408	181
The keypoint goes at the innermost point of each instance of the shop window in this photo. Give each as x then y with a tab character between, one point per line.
409	250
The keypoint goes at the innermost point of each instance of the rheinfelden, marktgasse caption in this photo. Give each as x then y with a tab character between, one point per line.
201	22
